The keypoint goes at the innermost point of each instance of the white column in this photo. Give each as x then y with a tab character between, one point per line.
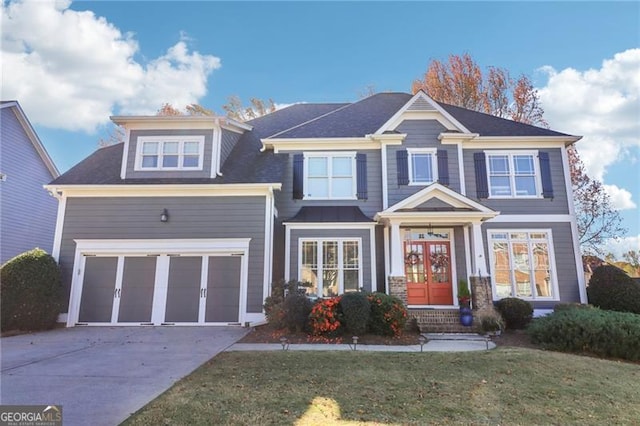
480	263
397	263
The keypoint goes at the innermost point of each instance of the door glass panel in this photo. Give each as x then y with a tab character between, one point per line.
414	261
439	262
98	287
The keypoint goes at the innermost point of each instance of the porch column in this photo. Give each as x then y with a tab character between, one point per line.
397	252
479	261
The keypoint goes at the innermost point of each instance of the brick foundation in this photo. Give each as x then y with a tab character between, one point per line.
398	288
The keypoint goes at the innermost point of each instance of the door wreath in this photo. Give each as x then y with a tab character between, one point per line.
412	258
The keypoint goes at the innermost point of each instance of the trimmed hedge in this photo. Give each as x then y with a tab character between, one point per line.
297	308
595	331
517	313
612	289
31	292
388	315
356	311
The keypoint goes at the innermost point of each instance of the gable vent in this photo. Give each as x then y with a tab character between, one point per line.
421	104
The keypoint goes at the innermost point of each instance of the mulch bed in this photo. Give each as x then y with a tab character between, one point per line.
267	334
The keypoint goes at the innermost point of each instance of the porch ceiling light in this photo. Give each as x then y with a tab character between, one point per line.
164	216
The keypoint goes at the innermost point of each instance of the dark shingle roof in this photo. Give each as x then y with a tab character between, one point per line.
355	120
489	125
344	214
291	116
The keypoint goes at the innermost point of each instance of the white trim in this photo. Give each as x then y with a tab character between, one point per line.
330	156
115	307
319	144
160	141
397	117
434	165
216	150
582	286
479	261
340	261
385	178
387	258
374	261
153	122
125	153
530	218
552	260
57	238
510	154
435	217
161	249
287	252
396	250
516	142
169	190
463	183
268	246
204	275
436	190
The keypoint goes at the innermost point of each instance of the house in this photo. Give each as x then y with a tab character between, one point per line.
191	218
27	211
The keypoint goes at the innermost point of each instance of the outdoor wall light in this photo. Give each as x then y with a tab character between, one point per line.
164	217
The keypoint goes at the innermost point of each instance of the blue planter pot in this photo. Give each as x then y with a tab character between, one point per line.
466	317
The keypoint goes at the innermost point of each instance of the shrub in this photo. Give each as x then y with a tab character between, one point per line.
325	317
611	289
464	295
517	313
356	310
567	306
491	322
297	308
274	308
31	292
388	315
603	333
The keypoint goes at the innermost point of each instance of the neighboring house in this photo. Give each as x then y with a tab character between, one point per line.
27	210
191	218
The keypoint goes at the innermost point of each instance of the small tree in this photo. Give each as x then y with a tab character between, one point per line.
257	108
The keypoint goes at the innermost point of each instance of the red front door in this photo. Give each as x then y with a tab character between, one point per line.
428	272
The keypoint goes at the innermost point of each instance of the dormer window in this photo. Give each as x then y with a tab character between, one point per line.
170	153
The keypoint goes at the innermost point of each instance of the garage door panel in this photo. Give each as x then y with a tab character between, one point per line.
97	289
138	281
223	289
183	292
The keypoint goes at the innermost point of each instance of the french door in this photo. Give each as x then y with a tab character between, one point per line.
428	272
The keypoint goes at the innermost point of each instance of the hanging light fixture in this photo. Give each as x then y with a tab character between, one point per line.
164	216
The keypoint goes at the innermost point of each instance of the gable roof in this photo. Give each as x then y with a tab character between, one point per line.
32	135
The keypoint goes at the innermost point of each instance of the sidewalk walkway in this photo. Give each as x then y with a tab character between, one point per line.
436	343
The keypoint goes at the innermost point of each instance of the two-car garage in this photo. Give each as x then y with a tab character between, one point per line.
159	282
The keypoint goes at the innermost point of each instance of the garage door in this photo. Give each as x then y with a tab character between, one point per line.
160	289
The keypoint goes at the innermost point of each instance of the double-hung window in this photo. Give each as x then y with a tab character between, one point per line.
423	167
330	175
170	153
523	264
513	174
332	266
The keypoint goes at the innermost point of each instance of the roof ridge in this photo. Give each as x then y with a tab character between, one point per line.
312	120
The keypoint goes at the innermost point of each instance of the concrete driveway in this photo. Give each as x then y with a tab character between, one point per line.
101	375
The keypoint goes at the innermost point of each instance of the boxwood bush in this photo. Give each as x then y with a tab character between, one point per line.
297	308
356	311
517	313
595	331
31	292
612	289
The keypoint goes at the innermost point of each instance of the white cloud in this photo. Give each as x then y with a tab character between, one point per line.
622	245
620	197
601	104
71	70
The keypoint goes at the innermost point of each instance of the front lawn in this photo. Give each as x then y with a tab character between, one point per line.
502	386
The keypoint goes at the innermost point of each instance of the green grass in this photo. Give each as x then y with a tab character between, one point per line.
502	386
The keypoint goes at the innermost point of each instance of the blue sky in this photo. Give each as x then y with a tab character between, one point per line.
71	65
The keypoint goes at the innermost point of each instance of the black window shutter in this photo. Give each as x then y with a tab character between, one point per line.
482	186
402	164
545	172
298	176
443	167
361	172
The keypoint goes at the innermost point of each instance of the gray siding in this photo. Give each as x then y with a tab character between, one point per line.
420	134
564	254
228	142
189	217
27	211
133	146
288	207
557	205
296	234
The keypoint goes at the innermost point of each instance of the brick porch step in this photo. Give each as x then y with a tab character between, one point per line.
440	321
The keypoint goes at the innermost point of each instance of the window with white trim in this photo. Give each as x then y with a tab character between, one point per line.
170	153
330	175
513	174
332	266
522	264
423	167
